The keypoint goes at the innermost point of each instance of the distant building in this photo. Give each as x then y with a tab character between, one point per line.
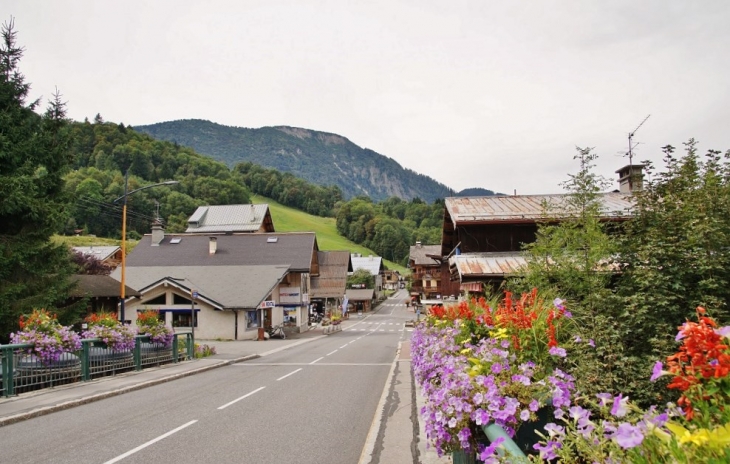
230	218
372	264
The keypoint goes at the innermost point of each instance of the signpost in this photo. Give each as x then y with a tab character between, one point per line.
194	295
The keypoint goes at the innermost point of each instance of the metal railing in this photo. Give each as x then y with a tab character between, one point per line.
23	371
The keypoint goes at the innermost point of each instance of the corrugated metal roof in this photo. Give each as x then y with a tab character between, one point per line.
419	255
227	218
232	287
332	279
527	208
372	264
471	265
294	249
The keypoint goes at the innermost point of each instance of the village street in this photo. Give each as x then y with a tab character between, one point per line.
311	403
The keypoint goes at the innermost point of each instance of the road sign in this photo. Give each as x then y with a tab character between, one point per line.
195	293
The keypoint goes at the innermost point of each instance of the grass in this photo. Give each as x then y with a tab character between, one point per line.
288	219
285	219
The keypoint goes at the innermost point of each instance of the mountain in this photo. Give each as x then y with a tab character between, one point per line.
318	157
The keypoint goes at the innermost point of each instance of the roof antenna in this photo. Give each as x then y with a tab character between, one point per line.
630	153
157	212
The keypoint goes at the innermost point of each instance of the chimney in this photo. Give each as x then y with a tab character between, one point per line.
212	245
158	233
418	244
631	178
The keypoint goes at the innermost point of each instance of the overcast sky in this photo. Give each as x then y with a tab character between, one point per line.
491	94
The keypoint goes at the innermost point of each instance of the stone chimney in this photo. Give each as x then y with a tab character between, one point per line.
631	178
212	245
158	233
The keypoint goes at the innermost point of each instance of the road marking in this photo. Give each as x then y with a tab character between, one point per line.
352	341
290	373
331	352
344	346
154	440
318	359
309	364
239	399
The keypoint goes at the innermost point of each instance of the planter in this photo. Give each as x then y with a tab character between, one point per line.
463	457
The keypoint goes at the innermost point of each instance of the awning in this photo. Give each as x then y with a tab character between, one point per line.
474	287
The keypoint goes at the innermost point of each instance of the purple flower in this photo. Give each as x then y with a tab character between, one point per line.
547	451
657	371
558	303
487	454
604	398
620	406
525	414
591	343
557	351
628	436
578	339
723	331
534	405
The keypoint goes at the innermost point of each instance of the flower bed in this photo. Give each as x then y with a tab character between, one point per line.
507	365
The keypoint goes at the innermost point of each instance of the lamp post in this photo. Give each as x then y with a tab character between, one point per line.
124	232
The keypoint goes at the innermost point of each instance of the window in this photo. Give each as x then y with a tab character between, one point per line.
179	300
158	300
252	319
183	319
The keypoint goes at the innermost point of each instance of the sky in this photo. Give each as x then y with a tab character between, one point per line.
494	94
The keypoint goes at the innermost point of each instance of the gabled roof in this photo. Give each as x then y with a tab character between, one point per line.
419	254
472	266
99	252
360	294
332	279
224	287
101	286
230	218
373	264
526	208
292	249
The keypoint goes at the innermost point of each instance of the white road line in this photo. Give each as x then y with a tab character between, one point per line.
352	341
154	440
239	399
331	352
318	359
290	373
344	346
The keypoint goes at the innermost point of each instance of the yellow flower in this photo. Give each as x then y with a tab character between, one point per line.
499	333
718	437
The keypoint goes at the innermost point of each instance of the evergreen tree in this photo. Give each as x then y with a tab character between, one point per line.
34	156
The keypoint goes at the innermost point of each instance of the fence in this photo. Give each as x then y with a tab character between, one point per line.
23	371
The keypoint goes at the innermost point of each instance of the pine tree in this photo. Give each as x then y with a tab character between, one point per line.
34	156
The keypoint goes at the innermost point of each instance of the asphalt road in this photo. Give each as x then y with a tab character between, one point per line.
314	403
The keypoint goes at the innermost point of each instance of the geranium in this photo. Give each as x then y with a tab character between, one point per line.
49	338
149	323
106	326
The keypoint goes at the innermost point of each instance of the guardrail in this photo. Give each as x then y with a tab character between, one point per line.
23	371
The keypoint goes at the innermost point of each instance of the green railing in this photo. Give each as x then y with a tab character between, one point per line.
23	371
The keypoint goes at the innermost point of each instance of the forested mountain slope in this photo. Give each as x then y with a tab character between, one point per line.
318	157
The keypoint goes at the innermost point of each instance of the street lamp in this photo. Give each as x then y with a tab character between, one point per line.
124	231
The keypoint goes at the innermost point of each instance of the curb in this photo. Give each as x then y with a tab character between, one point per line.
100	396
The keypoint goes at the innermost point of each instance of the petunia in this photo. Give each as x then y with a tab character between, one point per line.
657	371
557	351
628	436
620	406
591	343
723	331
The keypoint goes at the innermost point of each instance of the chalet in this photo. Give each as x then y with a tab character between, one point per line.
231	218
424	261
110	255
233	283
102	292
392	279
482	236
329	285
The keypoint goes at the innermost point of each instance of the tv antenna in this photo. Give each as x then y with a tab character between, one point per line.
630	153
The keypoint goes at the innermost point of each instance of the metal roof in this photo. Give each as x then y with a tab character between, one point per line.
227	287
372	264
472	265
295	249
332	279
419	255
228	218
527	208
99	252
